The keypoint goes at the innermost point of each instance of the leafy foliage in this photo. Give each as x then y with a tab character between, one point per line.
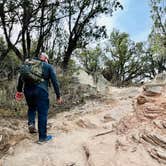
157	38
60	25
8	66
92	60
26	20
82	27
125	61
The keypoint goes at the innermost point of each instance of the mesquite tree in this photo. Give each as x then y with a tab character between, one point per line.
23	21
157	38
81	23
126	60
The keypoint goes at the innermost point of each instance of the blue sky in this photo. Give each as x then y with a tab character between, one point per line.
134	19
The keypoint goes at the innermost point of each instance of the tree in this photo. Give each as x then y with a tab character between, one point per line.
24	20
158	14
9	65
157	38
92	60
125	63
81	24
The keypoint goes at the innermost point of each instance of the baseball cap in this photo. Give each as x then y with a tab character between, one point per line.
43	54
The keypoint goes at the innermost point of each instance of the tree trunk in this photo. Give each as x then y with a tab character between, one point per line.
68	52
66	59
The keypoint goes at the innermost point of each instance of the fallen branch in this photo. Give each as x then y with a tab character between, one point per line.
104	133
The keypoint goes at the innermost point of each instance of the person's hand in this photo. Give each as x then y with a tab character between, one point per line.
19	96
59	100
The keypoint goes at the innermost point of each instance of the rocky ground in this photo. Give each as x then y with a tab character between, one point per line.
125	128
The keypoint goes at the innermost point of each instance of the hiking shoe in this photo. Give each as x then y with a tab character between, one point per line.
32	129
48	138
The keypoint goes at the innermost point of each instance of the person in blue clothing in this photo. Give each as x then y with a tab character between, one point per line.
37	99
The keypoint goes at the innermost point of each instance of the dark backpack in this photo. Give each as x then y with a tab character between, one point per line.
31	71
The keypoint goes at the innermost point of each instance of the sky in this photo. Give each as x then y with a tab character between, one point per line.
134	19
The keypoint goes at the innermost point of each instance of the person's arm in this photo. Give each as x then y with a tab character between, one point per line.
19	93
20	84
55	82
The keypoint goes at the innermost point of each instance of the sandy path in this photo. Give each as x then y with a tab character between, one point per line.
85	136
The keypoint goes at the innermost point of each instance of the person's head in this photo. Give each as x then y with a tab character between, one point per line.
43	57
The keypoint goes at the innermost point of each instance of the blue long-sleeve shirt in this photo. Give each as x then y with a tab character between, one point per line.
48	74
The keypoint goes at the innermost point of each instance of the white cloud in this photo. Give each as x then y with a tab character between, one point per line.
116	21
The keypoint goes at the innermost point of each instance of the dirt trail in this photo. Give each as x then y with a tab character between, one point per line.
91	135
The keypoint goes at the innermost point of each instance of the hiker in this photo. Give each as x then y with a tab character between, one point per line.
37	97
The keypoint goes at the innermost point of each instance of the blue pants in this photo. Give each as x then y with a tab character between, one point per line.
37	101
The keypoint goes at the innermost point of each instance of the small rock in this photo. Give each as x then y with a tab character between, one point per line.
152	90
70	164
158	124
108	118
163	105
86	123
134	149
141	99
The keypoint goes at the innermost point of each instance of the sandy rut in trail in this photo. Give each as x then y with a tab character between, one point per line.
105	132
